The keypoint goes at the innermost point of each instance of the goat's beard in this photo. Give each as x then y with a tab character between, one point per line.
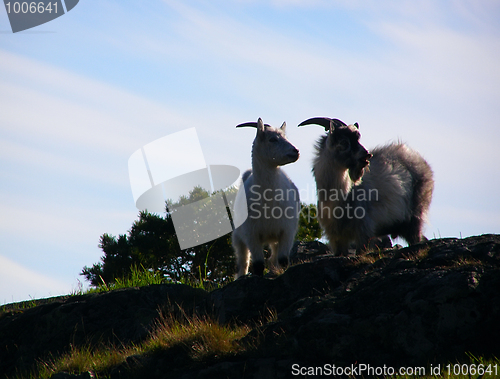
356	173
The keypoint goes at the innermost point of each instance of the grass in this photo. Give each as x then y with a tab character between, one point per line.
204	339
19	306
23	305
418	255
200	337
466	261
139	277
80	360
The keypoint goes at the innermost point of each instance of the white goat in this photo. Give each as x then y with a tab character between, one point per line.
362	195
272	201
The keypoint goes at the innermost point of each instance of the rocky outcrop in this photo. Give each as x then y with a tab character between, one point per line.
117	317
429	303
433	301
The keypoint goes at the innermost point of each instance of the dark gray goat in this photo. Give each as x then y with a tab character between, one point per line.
361	194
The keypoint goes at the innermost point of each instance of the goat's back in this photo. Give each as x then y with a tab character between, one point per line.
403	181
272	213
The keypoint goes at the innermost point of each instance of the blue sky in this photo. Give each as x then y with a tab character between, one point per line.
80	94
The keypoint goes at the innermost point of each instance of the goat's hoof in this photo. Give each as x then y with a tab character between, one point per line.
258	268
283	262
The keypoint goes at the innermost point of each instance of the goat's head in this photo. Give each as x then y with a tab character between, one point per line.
342	143
270	145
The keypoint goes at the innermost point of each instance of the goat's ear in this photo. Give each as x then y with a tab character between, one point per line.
283	126
332	126
260	125
334	135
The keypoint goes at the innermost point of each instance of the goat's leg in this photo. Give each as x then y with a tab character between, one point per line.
340	247
338	244
284	247
242	257
257	259
413	234
274	254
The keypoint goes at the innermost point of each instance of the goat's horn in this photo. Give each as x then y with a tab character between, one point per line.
251	124
324	122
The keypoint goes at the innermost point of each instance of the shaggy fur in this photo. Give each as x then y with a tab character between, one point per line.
362	195
272	200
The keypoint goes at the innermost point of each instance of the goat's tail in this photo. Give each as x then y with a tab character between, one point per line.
423	186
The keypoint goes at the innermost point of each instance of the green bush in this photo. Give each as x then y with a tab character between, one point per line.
150	252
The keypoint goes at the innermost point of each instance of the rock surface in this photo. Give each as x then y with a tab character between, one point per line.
117	317
429	303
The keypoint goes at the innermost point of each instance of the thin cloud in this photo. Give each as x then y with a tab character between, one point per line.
73	109
450	62
17	281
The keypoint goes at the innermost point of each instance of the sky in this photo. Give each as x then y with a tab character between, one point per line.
80	94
